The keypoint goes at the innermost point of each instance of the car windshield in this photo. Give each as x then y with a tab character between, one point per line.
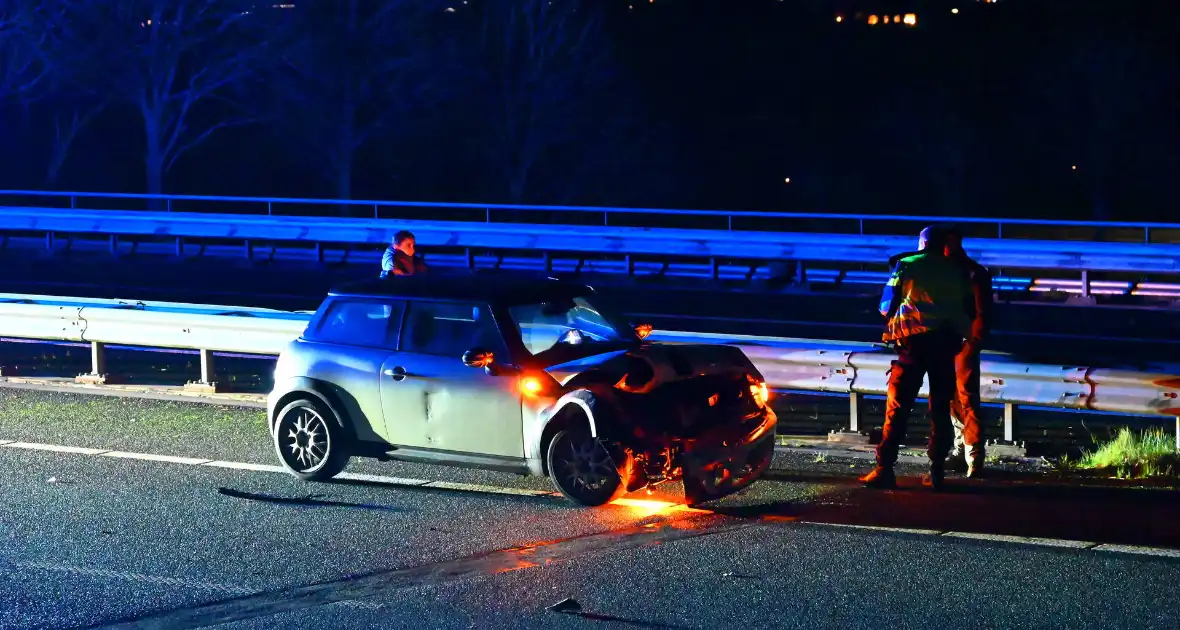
566	323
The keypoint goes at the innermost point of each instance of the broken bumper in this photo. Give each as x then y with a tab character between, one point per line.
725	461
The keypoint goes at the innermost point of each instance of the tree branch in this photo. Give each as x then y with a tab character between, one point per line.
184	148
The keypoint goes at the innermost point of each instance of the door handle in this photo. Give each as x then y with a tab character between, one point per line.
398	373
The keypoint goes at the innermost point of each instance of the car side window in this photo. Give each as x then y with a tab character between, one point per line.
369	323
450	329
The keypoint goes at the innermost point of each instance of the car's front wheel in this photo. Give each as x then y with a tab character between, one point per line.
582	468
309	441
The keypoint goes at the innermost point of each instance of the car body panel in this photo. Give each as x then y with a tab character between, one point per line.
347	374
443	404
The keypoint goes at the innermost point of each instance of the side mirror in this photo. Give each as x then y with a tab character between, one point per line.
642	330
478	358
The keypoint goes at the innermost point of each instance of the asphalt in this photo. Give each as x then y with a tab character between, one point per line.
1050	333
93	540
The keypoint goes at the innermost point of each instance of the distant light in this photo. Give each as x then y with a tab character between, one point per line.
954	10
1074	167
839	18
450	9
897	18
885	19
872	20
910	18
787	180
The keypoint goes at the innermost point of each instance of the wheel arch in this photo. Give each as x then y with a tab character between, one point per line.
304	388
572	410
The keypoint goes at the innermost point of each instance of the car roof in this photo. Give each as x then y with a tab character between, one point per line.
481	286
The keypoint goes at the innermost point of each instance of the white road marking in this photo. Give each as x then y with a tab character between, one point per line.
450	485
471	487
245	466
1142	551
1024	540
393	481
169	459
56	448
898	530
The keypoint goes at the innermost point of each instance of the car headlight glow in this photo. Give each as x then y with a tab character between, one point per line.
761	393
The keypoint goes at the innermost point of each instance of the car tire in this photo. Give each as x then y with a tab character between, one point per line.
582	469
309	440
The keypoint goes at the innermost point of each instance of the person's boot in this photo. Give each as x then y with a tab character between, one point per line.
957	461
974	457
934	478
881	478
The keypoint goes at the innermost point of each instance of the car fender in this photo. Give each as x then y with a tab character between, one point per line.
319	390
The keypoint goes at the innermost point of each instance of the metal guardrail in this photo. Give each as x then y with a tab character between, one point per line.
861	224
851	368
623	244
573	263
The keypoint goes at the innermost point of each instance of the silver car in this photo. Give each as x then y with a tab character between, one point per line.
518	374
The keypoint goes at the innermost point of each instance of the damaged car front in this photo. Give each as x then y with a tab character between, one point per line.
623	414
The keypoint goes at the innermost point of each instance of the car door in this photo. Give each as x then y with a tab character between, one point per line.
431	400
352	341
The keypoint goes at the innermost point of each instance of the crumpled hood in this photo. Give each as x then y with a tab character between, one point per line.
651	365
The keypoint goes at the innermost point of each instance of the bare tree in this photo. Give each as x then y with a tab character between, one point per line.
548	90
170	60
351	72
22	65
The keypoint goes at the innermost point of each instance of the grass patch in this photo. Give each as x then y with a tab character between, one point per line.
1132	455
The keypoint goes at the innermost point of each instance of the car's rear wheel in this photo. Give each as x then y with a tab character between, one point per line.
582	468
310	442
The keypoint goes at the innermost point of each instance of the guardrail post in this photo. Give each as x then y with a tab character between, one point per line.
207	384
49	241
1178	433
179	246
1085	283
715	268
854	412
1009	422
114	243
249	250
98	365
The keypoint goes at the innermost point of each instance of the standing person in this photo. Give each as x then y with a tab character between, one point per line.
925	307
968	451
399	258
969	439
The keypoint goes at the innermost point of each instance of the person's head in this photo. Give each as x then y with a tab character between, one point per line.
954	242
404	241
932	238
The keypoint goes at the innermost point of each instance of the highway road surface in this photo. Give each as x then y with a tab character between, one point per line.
1135	338
128	513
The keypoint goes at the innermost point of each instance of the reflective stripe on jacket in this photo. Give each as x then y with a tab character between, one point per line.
927	292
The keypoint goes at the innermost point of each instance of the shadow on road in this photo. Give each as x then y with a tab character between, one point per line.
309	501
1114	515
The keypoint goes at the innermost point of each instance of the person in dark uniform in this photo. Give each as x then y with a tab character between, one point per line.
925	307
969	438
968	451
400	259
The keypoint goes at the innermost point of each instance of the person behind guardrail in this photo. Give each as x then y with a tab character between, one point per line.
925	307
967	453
399	258
969	439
